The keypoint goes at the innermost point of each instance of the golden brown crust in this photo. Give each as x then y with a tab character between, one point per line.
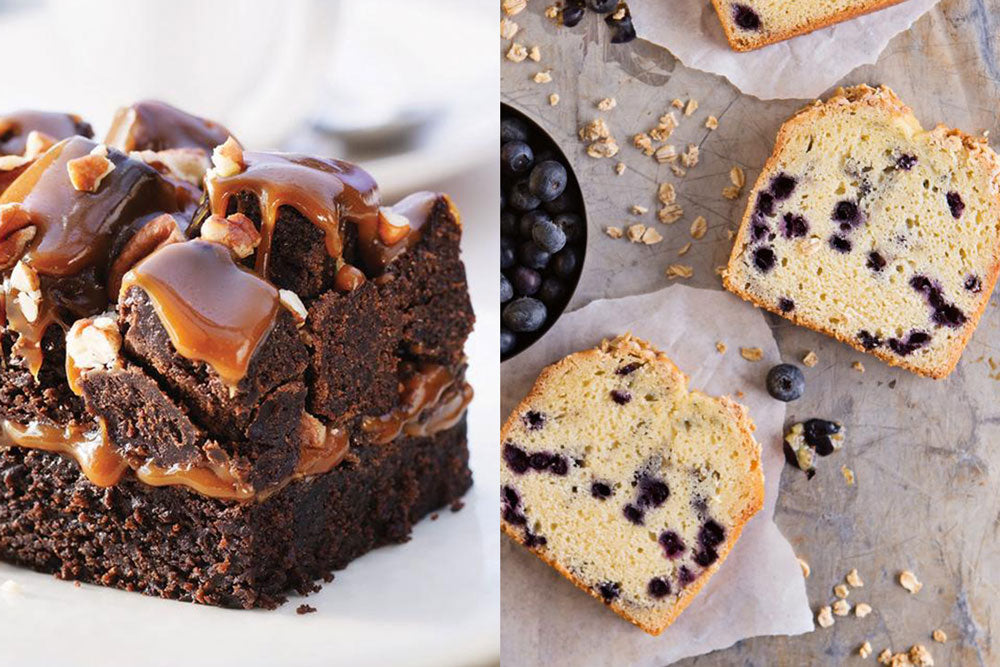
888	101
755	502
737	43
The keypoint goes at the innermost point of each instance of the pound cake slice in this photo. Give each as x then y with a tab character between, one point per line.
751	24
866	227
628	484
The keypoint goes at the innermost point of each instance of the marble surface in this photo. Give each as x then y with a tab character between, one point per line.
925	453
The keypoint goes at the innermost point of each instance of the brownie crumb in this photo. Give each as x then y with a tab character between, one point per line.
303	609
457	505
434	517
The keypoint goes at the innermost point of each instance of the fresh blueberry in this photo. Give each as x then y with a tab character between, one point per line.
551	292
525	281
673	545
876	262
548	236
746	18
764	258
521	198
622	29
600	490
906	162
868	340
516	458
974	284
508	340
913	341
568	201
564	264
620	396
508	253
794	226
840	244
524	314
571	15
634	514
706	557
572	226
506	289
534	420
786	305
516	157
529	220
508	223
603	6
547	180
532	256
817	432
786	382
955	204
782	186
711	534
658	587
609	590
765	203
513	129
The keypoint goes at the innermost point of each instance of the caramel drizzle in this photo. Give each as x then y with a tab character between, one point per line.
431	400
154	125
213	309
28	345
17	125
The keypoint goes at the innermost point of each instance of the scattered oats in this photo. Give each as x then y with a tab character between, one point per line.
619	14
10	587
858	366
635	232
535	54
607	104
920	656
516	53
651	236
684	249
841	591
699	227
939	636
848	475
620	168
810	359
824	617
862	609
909	581
677	104
884	657
721	347
643	143
731	192
603	148
752	353
666	193
553	99
613	232
679	271
552	12
854	579
712	122
841	608
678	171
737	177
691	107
594	130
666	127
542	77
806	570
690	157
511	7
635	209
508	28
865	650
665	153
670	213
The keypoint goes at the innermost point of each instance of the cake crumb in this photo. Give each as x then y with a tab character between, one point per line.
810	359
825	617
613	232
607	104
939	636
806	570
690	107
553	99
858	366
305	609
699	227
884	657
909	581
854	579
636	209
862	609
677	103
679	271
841	591
535	54
920	656
684	249
508	28
666	193
721	347
865	649
712	122
457	506
752	353
552	12
516	53
848	475
434	517
841	608
542	77
620	168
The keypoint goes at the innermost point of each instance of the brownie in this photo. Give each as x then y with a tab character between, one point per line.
224	404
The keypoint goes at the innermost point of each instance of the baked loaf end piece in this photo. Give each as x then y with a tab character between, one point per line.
868	228
628	484
751	24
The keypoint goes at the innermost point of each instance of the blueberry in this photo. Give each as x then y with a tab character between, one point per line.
760	230
974	284
568	201
525	281
547	180
513	129
508	253
817	432
516	157
786	305
845	211
521	198
622	29
531	540
782	186
609	590
548	236
603	6
534	420
658	587
620	396
685	576
955	204
506	289
509	496
746	18
600	490
629	368
876	262
571	15
711	534
508	223
516	458
765	203
565	263
539	460
764	258
652	492
840	244
551	292
785	382
913	341
794	226
868	340
532	256
508	340
524	314
906	162
706	557
922	284
529	220
634	514
572	226
949	315
673	545
558	465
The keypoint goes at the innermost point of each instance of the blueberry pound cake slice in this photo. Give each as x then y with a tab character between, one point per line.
866	227
628	484
751	24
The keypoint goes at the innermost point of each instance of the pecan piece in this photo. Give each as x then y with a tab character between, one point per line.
237	232
156	233
16	232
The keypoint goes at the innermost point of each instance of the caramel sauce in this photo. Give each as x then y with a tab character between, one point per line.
431	386
28	345
154	125
15	127
88	446
348	278
317	460
213	309
416	208
443	415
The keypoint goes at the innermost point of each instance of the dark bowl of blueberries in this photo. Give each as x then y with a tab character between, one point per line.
543	232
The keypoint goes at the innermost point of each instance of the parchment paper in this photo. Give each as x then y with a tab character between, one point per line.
802	67
758	590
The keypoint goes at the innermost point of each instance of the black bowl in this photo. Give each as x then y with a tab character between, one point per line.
546	147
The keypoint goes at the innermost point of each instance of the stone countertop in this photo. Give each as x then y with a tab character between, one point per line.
925	453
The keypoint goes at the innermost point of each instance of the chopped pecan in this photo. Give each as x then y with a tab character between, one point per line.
227	158
237	232
94	343
158	232
16	232
392	227
87	172
293	303
186	164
